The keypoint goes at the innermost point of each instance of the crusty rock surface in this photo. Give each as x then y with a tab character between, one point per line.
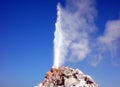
67	77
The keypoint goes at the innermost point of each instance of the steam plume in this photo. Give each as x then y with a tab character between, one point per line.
74	24
110	41
75	32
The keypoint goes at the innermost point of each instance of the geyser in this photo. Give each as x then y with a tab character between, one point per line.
58	40
74	24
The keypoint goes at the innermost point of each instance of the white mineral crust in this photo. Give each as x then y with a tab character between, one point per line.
67	77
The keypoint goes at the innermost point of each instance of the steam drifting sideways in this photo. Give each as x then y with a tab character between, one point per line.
74	37
74	24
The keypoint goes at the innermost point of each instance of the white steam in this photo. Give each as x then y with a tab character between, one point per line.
110	40
74	24
58	46
111	34
75	34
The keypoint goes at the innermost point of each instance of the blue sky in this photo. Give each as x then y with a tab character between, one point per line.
26	42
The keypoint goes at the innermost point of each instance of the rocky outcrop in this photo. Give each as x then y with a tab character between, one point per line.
67	77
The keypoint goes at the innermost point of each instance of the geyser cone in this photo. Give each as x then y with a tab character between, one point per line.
67	77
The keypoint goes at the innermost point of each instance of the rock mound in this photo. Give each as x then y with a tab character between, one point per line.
67	77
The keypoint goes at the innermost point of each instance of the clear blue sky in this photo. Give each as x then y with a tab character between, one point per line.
26	42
